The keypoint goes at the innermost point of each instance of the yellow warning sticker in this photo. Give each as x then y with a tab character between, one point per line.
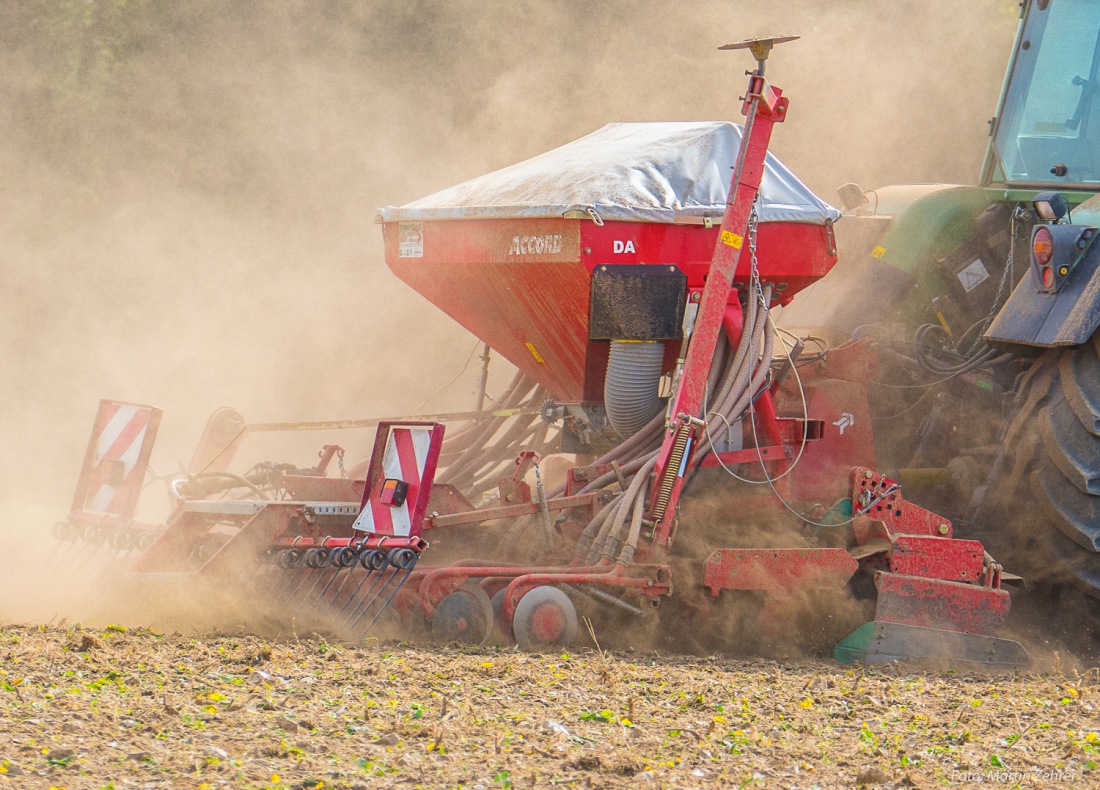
878	252
732	239
535	353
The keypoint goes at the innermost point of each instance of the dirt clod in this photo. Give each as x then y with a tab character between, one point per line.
872	776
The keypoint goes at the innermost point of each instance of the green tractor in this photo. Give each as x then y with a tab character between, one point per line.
984	305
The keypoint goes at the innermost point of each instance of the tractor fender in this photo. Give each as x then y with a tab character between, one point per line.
926	221
887	252
1034	317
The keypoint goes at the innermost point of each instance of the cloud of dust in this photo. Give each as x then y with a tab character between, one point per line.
187	214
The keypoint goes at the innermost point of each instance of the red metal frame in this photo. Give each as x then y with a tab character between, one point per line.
936	603
763	108
878	497
776	570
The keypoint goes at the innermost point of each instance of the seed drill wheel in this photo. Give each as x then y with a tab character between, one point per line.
545	616
502	622
1053	446
466	616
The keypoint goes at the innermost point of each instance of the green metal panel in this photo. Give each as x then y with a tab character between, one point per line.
929	226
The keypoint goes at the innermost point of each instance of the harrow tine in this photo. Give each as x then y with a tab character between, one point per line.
341	560
66	534
262	568
67	559
343	582
269	577
289	560
70	561
335	563
69	544
372	561
316	560
400	560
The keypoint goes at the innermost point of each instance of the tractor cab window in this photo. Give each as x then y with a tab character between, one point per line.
1049	129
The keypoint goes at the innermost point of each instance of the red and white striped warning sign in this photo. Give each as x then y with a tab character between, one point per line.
117	457
410	455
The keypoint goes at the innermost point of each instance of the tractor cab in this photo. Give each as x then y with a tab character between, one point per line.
1048	129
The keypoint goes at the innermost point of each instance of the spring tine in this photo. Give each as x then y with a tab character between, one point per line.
72	556
263	577
260	565
379	576
368	560
368	601
339	562
80	556
311	561
54	559
399	560
294	584
290	561
316	581
340	588
61	532
389	600
67	535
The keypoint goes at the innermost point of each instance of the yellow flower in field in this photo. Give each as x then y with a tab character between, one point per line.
719	719
276	778
806	704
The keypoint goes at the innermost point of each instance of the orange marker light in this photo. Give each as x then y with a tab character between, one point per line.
1042	248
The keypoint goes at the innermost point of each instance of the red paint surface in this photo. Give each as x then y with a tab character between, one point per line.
509	300
776	570
933	603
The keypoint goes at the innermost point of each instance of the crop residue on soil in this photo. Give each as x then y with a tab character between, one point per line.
134	708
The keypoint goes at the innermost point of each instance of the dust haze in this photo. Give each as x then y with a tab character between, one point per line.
186	213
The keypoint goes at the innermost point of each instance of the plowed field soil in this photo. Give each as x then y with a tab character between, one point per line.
119	707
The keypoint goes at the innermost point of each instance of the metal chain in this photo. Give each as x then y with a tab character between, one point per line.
754	271
1010	266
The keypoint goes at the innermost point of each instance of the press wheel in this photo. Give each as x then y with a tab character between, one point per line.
465	616
545	616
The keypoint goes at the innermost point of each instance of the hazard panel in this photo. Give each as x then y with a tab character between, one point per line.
116	460
404	460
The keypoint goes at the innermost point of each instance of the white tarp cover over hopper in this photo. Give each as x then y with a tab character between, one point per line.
670	172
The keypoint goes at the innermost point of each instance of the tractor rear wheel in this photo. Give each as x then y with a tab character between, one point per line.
1048	490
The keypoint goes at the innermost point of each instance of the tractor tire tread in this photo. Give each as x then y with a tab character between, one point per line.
1067	443
1055	456
1080	372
